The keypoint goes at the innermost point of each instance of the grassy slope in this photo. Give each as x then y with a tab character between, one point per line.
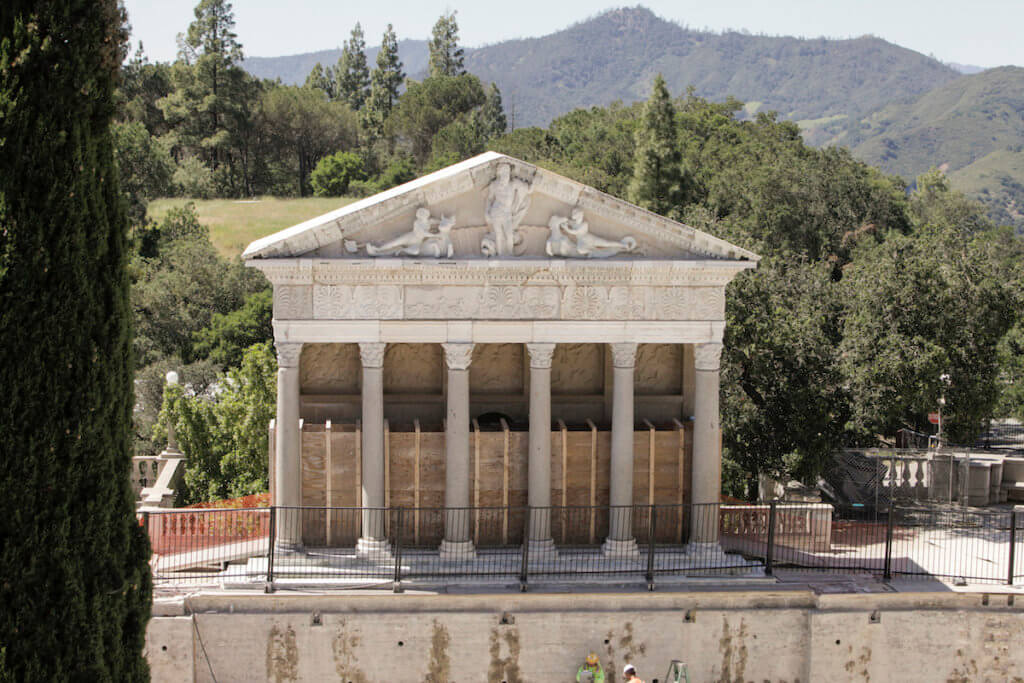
998	180
234	224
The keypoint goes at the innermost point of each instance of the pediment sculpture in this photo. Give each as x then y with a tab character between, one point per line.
508	199
571	237
428	237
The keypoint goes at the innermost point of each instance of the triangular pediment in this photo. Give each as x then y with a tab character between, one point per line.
494	206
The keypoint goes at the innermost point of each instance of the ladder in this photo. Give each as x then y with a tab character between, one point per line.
677	673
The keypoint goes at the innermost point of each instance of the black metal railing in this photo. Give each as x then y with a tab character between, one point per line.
351	546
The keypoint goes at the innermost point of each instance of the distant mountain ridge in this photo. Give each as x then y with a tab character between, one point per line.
895	108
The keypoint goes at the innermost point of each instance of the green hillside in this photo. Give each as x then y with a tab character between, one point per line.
972	128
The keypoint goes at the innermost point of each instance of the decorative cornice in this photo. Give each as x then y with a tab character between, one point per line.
624	355
372	354
288	354
707	356
458	356
540	354
398	271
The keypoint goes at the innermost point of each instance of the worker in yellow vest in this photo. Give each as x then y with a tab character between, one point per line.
590	671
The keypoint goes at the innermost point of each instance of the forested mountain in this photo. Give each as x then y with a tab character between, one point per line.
293	69
615	55
972	128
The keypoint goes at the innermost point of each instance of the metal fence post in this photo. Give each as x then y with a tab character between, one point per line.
887	571
398	552
1013	547
651	523
524	570
270	550
769	555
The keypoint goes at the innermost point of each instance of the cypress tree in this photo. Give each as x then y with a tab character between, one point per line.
492	114
386	80
446	57
352	74
74	581
657	182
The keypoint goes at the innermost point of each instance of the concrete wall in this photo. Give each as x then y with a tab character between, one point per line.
739	636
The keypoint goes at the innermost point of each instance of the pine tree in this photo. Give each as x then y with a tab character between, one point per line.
323	79
74	581
386	80
446	57
492	115
352	74
657	182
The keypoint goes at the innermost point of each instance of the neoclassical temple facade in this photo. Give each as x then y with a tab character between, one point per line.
494	334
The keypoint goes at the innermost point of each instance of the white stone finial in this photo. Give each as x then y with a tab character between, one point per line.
707	356
372	354
458	356
508	199
624	354
541	354
172	377
288	354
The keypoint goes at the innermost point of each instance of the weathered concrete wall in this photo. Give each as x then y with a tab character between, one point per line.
737	636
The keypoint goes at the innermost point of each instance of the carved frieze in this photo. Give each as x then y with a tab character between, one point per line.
602	303
429	237
293	302
357	302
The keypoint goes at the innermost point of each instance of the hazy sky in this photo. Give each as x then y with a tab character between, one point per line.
983	32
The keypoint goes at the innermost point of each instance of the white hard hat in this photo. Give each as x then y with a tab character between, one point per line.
630	669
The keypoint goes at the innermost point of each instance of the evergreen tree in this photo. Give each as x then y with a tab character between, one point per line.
386	80
492	115
352	74
446	57
322	78
657	170
75	586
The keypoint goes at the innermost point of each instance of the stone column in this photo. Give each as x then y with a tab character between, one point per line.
288	448
706	481
372	543
457	544
620	542
539	467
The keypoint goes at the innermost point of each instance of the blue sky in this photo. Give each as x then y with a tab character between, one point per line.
983	32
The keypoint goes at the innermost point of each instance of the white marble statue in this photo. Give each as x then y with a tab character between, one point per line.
423	240
571	237
508	198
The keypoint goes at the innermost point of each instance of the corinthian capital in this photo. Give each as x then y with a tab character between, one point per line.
288	354
624	355
707	356
372	354
540	354
458	356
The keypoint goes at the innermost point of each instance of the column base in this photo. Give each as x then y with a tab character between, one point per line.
710	554
378	549
543	549
457	551
282	547
620	550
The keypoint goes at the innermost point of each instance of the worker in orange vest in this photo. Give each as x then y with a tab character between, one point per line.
629	674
